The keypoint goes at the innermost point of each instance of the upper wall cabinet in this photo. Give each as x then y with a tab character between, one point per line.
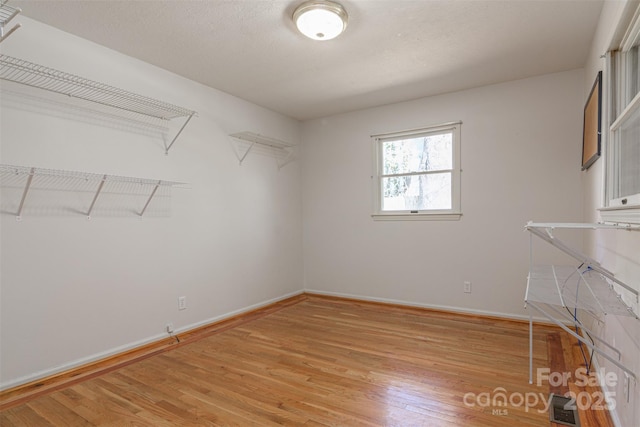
106	99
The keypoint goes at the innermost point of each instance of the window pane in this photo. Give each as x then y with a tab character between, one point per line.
417	192
421	154
629	157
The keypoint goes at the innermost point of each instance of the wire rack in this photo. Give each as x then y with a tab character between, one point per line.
562	293
34	75
246	142
7	13
46	191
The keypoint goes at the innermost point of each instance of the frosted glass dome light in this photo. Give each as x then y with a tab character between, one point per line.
320	20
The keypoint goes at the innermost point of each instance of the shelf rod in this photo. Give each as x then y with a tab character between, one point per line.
583	225
584	341
153	193
166	152
104	178
555	278
530	348
26	190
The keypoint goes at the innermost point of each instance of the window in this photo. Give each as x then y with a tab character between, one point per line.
623	153
417	173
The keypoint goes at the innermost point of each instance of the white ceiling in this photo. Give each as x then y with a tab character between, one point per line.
392	50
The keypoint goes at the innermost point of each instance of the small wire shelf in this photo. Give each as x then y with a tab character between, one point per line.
47	190
32	75
7	13
245	142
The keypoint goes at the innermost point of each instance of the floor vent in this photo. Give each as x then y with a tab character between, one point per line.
563	411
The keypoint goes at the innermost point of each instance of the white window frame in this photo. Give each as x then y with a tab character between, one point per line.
452	214
620	209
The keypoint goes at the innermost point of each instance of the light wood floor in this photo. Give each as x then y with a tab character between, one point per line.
321	362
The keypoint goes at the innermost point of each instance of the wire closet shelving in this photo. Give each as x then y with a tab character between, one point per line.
245	142
38	76
124	193
7	13
559	292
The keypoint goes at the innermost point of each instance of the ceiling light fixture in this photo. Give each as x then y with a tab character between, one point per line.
320	19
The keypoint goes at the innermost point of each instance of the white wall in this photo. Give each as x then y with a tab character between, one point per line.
521	145
617	251
75	289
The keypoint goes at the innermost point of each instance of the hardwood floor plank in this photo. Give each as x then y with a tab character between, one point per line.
323	361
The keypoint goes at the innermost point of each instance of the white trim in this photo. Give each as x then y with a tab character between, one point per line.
123	348
451	309
631	108
618	214
626	208
456	175
420	216
429	129
605	391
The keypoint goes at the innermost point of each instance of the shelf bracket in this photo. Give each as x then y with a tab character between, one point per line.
246	153
290	156
24	194
153	193
167	148
93	203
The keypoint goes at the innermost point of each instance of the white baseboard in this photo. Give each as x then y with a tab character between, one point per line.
130	346
451	309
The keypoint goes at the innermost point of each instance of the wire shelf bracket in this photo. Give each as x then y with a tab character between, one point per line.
590	288
58	180
37	76
245	142
7	13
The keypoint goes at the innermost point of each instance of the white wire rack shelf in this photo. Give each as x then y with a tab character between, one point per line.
37	76
245	142
7	13
90	192
559	292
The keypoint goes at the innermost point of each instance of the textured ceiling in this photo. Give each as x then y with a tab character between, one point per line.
392	50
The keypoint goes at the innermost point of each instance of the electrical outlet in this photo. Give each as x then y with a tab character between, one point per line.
169	328
182	303
467	287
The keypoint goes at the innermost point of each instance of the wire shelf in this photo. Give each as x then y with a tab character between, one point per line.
572	288
51	191
559	293
7	13
245	142
34	75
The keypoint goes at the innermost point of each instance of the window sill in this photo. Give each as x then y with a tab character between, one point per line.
618	214
417	216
